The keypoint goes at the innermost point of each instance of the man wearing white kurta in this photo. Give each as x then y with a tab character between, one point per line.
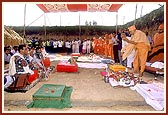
88	46
73	46
84	46
77	46
130	57
60	43
68	46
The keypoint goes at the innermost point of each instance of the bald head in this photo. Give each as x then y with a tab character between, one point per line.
132	29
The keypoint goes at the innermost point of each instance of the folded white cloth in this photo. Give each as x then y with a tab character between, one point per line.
8	80
159	65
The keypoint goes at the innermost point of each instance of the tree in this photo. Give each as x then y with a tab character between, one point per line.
86	23
90	23
94	23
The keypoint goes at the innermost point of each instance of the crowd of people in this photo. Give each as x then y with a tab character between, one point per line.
61	46
24	64
129	48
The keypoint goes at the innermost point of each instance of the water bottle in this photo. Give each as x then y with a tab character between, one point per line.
106	77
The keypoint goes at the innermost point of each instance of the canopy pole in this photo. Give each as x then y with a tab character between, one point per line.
135	14
60	19
123	19
141	11
79	26
24	33
45	27
116	21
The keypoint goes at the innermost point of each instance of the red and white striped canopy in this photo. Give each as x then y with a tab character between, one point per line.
79	7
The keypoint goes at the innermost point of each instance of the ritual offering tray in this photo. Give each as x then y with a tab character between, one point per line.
117	67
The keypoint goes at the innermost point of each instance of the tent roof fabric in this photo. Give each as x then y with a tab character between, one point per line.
79	7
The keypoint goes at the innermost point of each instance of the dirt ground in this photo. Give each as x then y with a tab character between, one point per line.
90	94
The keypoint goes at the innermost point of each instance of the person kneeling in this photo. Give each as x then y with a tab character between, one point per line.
19	68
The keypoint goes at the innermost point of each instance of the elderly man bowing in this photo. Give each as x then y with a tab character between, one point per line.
141	45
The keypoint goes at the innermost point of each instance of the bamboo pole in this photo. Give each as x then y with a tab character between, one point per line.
135	14
116	21
24	31
60	19
79	26
141	11
45	27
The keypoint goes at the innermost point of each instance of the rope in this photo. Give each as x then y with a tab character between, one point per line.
36	19
48	20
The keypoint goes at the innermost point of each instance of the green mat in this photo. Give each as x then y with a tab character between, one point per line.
52	96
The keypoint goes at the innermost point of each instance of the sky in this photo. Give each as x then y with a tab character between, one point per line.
13	15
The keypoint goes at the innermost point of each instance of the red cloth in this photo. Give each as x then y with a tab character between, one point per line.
66	67
76	54
33	77
103	73
47	62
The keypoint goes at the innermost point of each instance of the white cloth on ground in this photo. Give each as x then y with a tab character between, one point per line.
159	65
152	94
